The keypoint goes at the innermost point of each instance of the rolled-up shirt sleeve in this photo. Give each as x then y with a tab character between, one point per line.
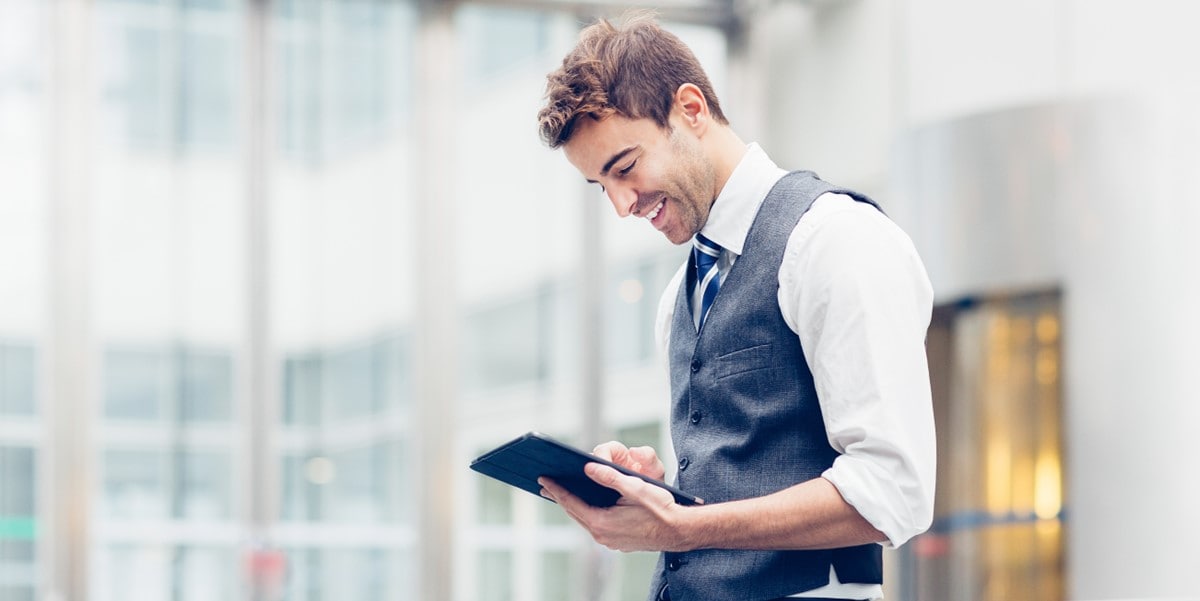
854	290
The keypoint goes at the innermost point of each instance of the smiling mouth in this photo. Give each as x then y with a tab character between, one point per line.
654	213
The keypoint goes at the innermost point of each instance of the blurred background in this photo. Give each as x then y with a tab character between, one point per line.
272	272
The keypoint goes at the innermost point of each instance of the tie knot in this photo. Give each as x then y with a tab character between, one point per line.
707	251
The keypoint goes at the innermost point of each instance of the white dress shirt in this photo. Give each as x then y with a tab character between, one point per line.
852	287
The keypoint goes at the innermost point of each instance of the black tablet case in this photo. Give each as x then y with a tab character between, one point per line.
522	461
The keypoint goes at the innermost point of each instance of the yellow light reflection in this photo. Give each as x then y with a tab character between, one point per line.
999	473
1047	493
1047	366
1047	329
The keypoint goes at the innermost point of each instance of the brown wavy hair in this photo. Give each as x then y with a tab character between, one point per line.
633	70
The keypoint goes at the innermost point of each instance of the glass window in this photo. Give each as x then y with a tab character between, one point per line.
18	507
345	84
17	371
340	298
16	593
149	565
135	384
360	491
558	576
495	502
204	574
204	485
503	344
356	381
393	373
350	382
26	122
495	39
301	499
550	514
335	574
140	384
302	389
205	386
355	574
631	300
207	4
135	484
495	576
208	70
641	435
630	306
137	90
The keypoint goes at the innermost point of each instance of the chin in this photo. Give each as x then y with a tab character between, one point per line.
674	240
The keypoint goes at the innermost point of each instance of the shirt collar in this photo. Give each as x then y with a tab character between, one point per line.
736	206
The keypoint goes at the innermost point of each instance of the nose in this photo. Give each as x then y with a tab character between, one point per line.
624	200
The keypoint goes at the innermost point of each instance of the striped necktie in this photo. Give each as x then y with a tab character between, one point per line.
708	277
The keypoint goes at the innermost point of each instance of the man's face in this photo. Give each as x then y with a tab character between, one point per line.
663	176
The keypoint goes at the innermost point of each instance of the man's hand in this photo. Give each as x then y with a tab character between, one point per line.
645	518
643	460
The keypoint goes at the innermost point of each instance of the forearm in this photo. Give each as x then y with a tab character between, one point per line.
811	515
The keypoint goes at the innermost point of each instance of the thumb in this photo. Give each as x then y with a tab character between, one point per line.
632	489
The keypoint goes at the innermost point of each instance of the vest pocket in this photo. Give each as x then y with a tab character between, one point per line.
751	358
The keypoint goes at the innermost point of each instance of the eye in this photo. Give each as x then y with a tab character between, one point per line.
626	170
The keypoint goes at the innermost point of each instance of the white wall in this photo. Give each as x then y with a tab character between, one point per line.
1025	144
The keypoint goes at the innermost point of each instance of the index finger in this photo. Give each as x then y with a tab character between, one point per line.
611	451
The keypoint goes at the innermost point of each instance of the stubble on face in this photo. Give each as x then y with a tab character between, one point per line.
674	169
692	178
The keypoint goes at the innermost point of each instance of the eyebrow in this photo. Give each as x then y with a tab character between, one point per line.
613	161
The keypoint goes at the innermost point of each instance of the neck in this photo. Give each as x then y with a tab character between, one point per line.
726	151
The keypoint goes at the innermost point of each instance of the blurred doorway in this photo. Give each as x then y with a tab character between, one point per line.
999	515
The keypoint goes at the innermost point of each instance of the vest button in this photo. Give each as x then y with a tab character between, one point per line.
673	565
695	366
683	463
696	415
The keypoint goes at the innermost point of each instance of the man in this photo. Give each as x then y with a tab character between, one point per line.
801	408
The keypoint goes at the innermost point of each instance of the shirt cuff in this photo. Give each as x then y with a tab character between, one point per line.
881	499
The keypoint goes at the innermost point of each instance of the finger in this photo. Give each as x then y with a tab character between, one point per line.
575	507
646	458
546	484
612	451
632	489
546	494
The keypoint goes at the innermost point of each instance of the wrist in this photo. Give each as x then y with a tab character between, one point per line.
688	524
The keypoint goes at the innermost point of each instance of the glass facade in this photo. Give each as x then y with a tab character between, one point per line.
170	246
168	260
168	296
340	308
24	214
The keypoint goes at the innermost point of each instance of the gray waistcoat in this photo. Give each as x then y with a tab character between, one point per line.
745	420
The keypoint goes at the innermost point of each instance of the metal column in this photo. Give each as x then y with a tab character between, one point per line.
260	406
68	372
436	310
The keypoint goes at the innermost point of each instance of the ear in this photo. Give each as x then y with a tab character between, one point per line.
692	108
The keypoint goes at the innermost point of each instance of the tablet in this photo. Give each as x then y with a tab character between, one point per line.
522	461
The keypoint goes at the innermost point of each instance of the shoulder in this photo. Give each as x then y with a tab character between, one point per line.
840	226
842	246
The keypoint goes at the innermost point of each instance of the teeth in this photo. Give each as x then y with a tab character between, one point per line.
654	213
